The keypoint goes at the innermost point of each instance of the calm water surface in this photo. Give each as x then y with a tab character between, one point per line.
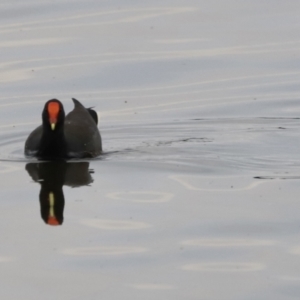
197	193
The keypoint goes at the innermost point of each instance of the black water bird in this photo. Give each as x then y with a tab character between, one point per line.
75	135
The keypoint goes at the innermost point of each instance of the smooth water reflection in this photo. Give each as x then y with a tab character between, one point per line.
152	286
229	242
104	250
142	197
115	224
52	176
226	267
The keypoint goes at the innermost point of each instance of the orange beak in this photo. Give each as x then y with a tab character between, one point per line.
52	221
51	218
53	110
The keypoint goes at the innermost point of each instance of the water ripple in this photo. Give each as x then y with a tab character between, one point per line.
104	250
228	267
115	224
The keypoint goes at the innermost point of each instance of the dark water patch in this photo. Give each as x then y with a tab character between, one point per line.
277	177
186	140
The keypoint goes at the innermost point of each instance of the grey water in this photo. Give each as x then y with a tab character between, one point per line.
196	195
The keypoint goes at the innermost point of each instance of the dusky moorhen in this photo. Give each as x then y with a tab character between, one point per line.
75	135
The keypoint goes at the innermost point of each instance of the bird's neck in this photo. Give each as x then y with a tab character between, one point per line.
53	143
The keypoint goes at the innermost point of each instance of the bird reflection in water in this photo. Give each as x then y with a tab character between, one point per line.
52	176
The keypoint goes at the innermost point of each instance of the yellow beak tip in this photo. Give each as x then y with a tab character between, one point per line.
52	126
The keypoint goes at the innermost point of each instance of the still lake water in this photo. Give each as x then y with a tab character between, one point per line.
197	194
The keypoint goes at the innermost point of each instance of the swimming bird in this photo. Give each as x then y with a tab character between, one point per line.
75	135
